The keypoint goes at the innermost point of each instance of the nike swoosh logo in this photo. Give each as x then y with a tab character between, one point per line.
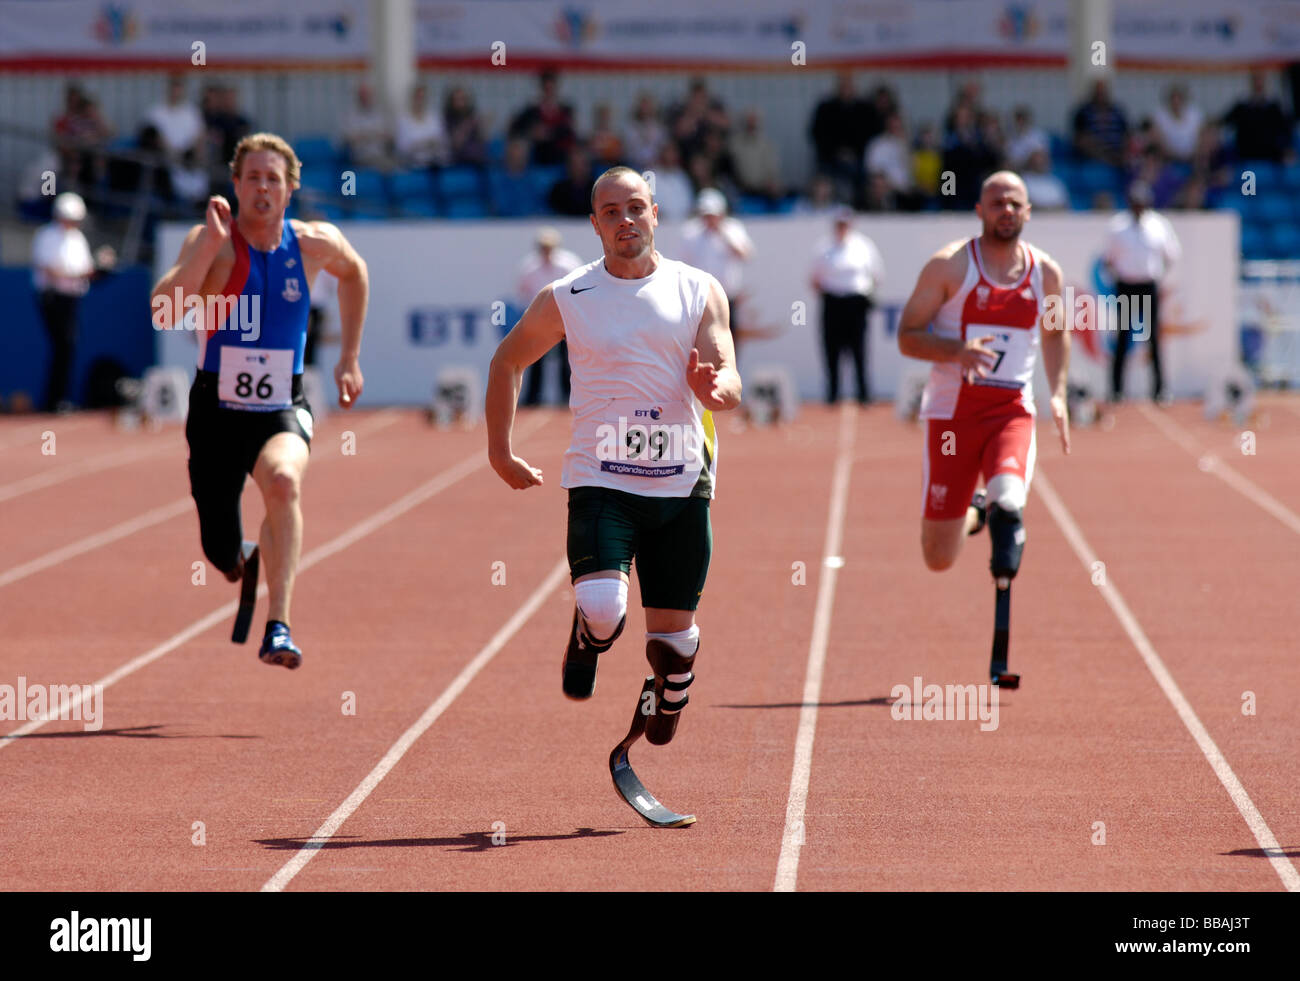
574	289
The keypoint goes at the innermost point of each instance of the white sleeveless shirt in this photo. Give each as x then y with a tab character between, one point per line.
637	426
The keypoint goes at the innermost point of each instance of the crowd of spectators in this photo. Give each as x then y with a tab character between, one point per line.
868	153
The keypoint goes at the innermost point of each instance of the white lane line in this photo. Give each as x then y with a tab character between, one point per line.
354	800
792	838
129	527
1211	463
1254	820
107	461
399	507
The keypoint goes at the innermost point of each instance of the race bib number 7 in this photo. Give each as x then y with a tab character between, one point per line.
1013	351
255	379
637	439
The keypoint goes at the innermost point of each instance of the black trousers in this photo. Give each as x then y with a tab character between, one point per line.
59	311
1137	294
844	329
532	394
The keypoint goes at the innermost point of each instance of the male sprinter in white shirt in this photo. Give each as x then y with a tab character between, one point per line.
652	358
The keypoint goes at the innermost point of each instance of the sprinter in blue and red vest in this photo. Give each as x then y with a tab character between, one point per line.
242	285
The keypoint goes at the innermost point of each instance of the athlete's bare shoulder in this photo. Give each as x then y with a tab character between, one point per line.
1051	268
317	238
948	264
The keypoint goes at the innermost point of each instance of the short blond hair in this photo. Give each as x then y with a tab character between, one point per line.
267	141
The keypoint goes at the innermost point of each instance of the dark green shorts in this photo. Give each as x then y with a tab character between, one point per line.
670	538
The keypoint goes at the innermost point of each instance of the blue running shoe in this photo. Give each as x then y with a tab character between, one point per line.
278	648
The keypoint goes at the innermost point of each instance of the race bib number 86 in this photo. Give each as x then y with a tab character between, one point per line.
256	379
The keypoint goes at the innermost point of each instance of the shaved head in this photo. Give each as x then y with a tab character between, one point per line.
620	174
1003	206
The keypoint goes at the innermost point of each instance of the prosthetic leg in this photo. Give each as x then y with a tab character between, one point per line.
247	593
1008	533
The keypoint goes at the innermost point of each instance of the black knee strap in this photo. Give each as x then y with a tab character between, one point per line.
665	660
1008	533
599	646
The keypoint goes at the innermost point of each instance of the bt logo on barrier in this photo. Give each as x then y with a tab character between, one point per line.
435	326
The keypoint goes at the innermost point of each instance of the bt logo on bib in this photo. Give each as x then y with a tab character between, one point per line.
654	413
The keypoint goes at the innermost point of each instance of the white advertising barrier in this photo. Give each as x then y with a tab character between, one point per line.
442	294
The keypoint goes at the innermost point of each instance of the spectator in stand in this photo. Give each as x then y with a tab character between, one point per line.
1025	138
571	194
878	196
690	121
146	169
847	271
890	155
672	187
700	170
819	199
841	125
514	194
80	136
1177	125
547	124
1046	191
421	137
466	143
62	271
719	245
645	135
927	162
715	150
224	124
1100	127
539	268
1263	131
968	97
367	133
1212	161
1160	177
604	143
179	123
755	160
969	159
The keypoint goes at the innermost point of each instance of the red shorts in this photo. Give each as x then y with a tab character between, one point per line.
957	451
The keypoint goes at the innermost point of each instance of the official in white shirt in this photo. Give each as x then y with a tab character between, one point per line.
540	268
62	269
1140	249
720	246
847	272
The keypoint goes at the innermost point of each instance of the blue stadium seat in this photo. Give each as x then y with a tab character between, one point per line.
466	207
1268	206
1254	242
1268	176
409	187
1080	200
371	191
750	204
315	150
786	205
1291	177
544	177
425	207
514	197
1285	241
455	182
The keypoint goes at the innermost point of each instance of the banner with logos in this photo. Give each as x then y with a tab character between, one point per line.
623	34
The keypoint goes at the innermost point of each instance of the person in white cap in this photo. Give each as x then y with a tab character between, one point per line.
547	263
847	271
720	246
62	269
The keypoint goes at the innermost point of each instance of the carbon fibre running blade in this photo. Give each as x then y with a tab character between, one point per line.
247	595
629	785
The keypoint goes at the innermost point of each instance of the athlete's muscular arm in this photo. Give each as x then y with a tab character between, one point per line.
939	279
539	329
1056	355
326	247
201	247
711	371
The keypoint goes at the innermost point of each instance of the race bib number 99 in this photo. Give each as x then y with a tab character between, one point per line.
255	379
637	439
1012	349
